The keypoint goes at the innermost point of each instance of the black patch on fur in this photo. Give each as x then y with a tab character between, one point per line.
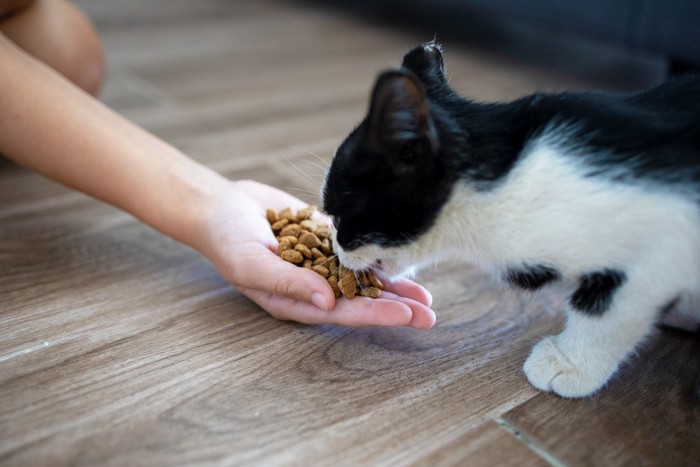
595	291
531	277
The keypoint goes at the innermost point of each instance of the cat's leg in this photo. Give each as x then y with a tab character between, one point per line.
607	317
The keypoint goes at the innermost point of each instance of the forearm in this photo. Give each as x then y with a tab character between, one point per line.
50	126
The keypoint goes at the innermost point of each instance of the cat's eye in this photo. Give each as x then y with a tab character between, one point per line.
336	221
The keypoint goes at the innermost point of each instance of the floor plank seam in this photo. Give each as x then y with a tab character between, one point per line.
531	444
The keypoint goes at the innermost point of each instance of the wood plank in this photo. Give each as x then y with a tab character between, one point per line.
488	445
649	414
217	382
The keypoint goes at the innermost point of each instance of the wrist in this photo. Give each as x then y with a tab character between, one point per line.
192	189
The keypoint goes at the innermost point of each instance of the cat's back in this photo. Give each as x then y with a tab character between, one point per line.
651	135
679	97
671	106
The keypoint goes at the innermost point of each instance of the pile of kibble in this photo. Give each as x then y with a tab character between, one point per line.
307	244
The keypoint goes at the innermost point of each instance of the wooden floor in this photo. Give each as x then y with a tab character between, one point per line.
122	347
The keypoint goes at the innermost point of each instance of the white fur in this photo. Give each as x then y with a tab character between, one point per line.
548	212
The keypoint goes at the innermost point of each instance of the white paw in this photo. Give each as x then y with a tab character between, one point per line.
548	369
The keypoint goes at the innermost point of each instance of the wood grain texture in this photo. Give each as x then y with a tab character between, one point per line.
121	347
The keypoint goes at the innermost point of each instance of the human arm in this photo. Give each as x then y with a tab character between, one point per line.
52	127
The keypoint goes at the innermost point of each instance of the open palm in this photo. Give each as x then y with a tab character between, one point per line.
242	246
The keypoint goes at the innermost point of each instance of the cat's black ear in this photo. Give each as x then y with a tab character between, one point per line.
399	116
427	63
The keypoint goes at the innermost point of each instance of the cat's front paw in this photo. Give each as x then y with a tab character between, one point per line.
548	368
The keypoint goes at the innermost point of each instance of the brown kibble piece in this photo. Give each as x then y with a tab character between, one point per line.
292	256
304	250
321	270
291	239
306	212
333	265
287	214
279	225
348	285
333	281
364	278
284	245
326	247
374	280
308	225
271	216
310	240
291	229
371	292
323	231
316	253
307	264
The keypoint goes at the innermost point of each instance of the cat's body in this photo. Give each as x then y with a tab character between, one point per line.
598	193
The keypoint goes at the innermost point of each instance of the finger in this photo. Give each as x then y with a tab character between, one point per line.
264	270
408	288
422	317
358	312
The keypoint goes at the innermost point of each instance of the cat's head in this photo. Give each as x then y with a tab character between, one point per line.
390	177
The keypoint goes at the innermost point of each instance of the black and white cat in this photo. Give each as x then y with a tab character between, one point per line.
597	192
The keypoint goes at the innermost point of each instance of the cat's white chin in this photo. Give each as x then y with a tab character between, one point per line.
362	260
354	260
374	257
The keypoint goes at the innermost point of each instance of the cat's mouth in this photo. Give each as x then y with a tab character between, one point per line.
369	258
376	267
387	268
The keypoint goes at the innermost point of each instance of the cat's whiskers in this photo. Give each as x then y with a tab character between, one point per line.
328	259
314	194
323	171
305	174
357	279
323	161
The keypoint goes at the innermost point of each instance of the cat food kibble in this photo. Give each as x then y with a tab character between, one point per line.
307	244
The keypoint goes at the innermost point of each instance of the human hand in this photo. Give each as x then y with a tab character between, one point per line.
236	236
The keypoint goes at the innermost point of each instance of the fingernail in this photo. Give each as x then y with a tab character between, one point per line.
319	301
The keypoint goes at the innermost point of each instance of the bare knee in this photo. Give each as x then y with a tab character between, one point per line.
10	7
59	34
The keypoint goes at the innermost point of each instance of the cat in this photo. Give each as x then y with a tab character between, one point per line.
596	192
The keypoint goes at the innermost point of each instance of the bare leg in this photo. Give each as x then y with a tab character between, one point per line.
60	35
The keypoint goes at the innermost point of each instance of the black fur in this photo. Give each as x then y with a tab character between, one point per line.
596	290
394	172
531	277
